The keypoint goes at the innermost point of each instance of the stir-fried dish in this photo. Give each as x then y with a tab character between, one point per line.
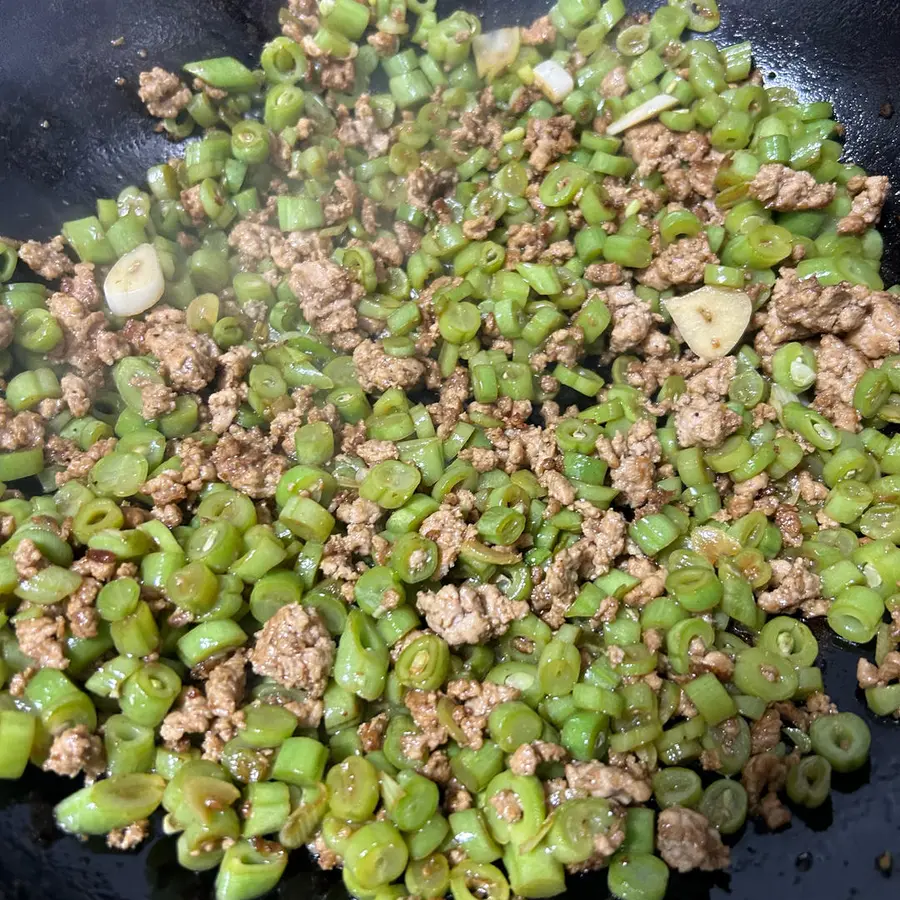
436	462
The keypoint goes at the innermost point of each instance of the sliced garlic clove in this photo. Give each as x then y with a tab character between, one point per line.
135	282
649	109
553	80
495	51
711	320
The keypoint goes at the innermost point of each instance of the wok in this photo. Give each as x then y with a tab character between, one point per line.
70	133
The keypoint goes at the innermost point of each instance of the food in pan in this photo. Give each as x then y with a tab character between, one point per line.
437	461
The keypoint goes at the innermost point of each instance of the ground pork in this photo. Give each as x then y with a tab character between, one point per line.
191	715
130	836
594	779
506	805
526	242
295	649
546	140
687	162
75	394
765	732
163	93
375	370
80	611
7	327
879	334
784	189
362	130
423	186
633	322
479	126
802	307
49	260
328	295
225	685
74	751
632	462
615	82
869	675
19	431
745	494
541	31
448	529
187	358
687	841
475	701
839	369
469	614
681	263
454	392
244	459
793	584
565	346
869	194
762	777
337	74
41	639
605	273
371	733
701	422
527	757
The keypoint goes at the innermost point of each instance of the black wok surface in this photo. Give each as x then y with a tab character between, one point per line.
69	133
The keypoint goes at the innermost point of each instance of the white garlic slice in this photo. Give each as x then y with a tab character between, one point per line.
553	80
135	282
495	51
649	109
711	319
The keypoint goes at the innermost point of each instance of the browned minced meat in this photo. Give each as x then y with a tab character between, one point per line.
186	357
19	431
540	31
328	295
794	584
604	273
41	639
546	140
375	370
681	263
686	160
453	394
163	93
633	323
702	422
869	194
687	841
527	757
362	130
245	460
423	707
325	858
615	82
75	394
76	750
337	74
595	779
192	203
506	805
788	522
879	334
286	422
526	242
469	614
745	493
448	529
839	369
80	611
763	777
784	189
869	675
765	732
7	327
295	649
565	346
479	126
130	836
47	260
225	685
191	715
156	400
478	700
371	733
374	452
423	186
632	458
88	345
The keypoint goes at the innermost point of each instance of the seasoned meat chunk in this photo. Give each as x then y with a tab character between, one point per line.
295	649
687	841
469	614
780	187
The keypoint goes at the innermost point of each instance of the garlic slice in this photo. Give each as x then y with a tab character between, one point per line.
135	282
555	82
711	319
495	51
649	109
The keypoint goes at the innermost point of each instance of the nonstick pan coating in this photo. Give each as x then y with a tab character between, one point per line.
70	133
